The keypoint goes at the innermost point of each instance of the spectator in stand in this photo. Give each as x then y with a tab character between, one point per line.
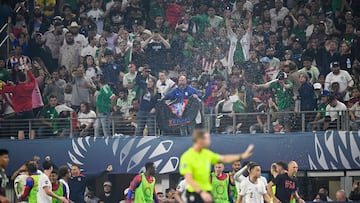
97	15
312	71
156	49
91	69
55	86
334	113
69	55
319	120
22	98
340	196
277	14
81	87
90	49
342	77
54	38
306	94
164	85
86	119
104	103
284	91
355	191
37	48
111	71
109	196
173	12
148	101
48	119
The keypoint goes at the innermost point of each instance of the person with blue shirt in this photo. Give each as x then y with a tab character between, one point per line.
111	71
183	91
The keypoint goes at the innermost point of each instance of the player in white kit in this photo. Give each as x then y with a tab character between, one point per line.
253	189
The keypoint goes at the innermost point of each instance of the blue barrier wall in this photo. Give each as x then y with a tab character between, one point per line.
329	150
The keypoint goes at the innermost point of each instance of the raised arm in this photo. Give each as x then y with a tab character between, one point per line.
236	157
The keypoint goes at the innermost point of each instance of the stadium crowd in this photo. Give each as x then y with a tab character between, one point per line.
96	59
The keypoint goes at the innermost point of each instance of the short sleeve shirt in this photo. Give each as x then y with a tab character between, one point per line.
252	193
198	164
42	196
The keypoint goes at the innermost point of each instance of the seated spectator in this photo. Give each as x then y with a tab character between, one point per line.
324	195
109	196
334	113
355	96
319	120
48	119
86	118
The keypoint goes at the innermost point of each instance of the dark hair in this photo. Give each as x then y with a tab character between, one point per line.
4	152
47	165
63	170
31	167
252	165
87	106
102	80
76	165
149	165
55	172
282	164
291	21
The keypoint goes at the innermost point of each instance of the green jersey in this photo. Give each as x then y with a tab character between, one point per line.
33	192
220	189
59	191
284	95
103	102
145	192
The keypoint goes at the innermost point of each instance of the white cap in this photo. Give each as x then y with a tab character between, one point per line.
74	24
107	183
317	86
126	191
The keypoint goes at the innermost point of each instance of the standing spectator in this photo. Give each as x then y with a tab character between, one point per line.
91	69
111	71
312	71
129	80
86	119
97	15
173	12
148	101
22	98
283	90
156	49
48	118
239	43
277	14
37	48
254	71
81	87
69	55
109	196
164	85
54	38
55	86
4	161
215	21
355	192
340	76
104	103
90	49
306	94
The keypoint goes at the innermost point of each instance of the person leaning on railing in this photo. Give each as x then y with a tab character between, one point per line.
22	96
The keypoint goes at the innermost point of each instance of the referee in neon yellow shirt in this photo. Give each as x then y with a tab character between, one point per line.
195	166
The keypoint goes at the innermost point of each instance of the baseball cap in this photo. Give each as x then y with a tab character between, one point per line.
317	86
107	183
335	64
265	60
325	93
146	31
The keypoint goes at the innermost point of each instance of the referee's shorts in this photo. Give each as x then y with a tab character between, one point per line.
193	197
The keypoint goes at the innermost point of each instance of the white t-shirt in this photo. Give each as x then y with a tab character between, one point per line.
89	50
333	112
41	195
97	16
182	189
343	78
165	88
67	188
88	118
252	193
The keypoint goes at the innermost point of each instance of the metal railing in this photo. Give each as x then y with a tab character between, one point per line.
221	123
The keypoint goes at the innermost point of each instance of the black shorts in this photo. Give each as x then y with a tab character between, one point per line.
23	118
193	197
